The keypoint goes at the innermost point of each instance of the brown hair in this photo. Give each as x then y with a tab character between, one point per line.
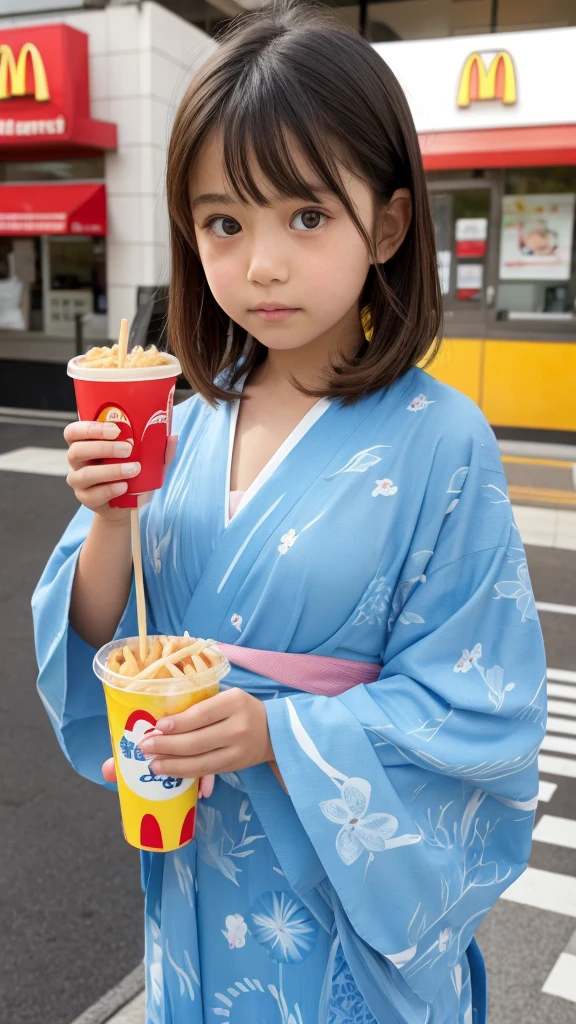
290	74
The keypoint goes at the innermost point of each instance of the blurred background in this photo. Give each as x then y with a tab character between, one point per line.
88	92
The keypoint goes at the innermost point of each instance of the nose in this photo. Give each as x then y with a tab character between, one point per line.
266	263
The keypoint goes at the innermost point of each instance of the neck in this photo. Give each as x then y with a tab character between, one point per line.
308	363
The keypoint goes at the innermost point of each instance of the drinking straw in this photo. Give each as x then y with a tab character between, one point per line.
139	583
123	343
135	528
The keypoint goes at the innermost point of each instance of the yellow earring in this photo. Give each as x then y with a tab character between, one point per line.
366	321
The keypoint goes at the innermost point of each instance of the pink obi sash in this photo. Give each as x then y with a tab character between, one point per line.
313	673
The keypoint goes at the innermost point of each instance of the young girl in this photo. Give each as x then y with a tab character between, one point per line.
340	521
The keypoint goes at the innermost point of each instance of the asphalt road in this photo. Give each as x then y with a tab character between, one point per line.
70	901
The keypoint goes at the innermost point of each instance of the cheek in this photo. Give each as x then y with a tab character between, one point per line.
341	272
222	274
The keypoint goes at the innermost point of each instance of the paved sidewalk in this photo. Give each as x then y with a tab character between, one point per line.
132	1013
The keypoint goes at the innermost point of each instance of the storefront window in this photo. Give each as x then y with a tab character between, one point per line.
20	284
77	284
461	218
537	263
88	168
46	282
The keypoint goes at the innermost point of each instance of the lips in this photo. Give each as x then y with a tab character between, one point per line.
269	307
274	314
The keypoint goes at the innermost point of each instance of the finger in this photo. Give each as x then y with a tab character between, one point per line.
84	430
109	770
194	767
171	446
206	787
188	744
206	712
92	476
82	452
96	497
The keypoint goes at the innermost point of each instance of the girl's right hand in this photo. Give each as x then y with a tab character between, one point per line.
95	485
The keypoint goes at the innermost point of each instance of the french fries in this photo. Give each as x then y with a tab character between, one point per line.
167	658
107	358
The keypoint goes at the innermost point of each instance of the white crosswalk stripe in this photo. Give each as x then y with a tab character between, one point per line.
561	675
559	690
567	725
546	791
548	890
556	609
560	744
557	766
560	982
545	890
561	707
557	831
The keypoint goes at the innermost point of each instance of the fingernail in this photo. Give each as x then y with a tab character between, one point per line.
122	449
110	431
147	746
165	724
130	468
118	489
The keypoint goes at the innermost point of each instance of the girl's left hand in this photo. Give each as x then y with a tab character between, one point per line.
225	733
205	784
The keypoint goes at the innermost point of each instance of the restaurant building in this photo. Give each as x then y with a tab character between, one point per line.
496	117
86	103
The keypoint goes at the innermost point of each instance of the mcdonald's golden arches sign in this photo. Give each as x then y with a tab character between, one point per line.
23	74
45	91
493	79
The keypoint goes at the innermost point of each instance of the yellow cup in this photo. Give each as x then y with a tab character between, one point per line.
158	811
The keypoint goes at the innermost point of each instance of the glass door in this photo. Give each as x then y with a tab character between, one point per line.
464	216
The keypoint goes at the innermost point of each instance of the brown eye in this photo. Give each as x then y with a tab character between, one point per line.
309	219
224	227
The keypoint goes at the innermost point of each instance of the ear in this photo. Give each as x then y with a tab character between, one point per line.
393	221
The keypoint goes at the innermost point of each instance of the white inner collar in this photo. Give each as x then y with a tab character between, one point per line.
266	472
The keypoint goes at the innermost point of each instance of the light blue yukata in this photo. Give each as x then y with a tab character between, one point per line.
380	532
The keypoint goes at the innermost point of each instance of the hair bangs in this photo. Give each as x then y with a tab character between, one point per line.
266	132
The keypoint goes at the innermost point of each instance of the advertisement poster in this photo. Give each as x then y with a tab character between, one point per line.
469	280
536	241
471	235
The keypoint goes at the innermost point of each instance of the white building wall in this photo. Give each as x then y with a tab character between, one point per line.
141	59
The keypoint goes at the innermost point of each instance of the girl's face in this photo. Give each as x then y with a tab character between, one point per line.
307	258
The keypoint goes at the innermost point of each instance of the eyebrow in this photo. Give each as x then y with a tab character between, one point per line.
211	197
208	198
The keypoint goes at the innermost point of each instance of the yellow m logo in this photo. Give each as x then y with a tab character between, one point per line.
477	83
13	73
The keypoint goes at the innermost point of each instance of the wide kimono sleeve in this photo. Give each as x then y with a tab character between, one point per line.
417	792
70	691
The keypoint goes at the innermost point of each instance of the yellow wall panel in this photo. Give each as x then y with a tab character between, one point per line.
530	384
459	363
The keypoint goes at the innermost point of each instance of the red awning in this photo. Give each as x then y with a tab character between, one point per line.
52	210
540	146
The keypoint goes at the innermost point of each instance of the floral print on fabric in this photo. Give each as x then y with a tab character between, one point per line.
284	926
386	488
347	1005
361	831
519	590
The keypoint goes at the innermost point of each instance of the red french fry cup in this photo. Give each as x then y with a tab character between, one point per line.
139	401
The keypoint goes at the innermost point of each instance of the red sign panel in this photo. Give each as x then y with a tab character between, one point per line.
44	91
52	209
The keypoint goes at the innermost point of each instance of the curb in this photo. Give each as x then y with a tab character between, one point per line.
114	999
